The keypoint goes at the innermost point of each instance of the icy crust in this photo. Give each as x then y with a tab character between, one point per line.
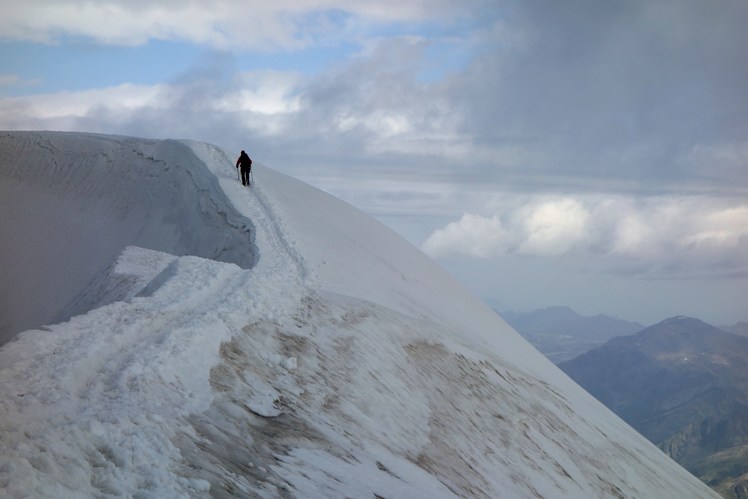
125	278
72	202
90	407
342	364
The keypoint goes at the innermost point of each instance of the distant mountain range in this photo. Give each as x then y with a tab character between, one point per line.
683	384
561	334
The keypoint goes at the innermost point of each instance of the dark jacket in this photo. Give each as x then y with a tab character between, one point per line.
244	161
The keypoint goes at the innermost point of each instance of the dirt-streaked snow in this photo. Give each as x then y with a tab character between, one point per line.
324	357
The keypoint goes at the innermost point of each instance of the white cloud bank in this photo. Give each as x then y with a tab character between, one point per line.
63	110
677	236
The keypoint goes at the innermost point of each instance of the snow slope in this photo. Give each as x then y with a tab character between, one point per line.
332	360
71	202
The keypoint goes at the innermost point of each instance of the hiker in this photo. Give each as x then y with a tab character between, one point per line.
245	162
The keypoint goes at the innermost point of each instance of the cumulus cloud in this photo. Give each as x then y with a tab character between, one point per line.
540	227
472	235
553	227
659	236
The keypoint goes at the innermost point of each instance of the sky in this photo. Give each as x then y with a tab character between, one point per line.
581	153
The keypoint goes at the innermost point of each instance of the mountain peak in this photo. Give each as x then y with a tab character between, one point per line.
684	385
685	335
562	334
681	325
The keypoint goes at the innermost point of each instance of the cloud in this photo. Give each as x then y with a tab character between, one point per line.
212	103
472	235
223	24
370	106
265	92
539	227
627	92
657	236
376	101
553	227
64	110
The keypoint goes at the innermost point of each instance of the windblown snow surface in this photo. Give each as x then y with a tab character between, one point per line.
271	342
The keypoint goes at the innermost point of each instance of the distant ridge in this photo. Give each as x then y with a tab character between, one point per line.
561	334
740	328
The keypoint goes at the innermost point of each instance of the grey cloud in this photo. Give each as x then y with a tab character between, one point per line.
621	90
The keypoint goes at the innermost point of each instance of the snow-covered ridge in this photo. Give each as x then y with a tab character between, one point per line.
71	203
341	363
